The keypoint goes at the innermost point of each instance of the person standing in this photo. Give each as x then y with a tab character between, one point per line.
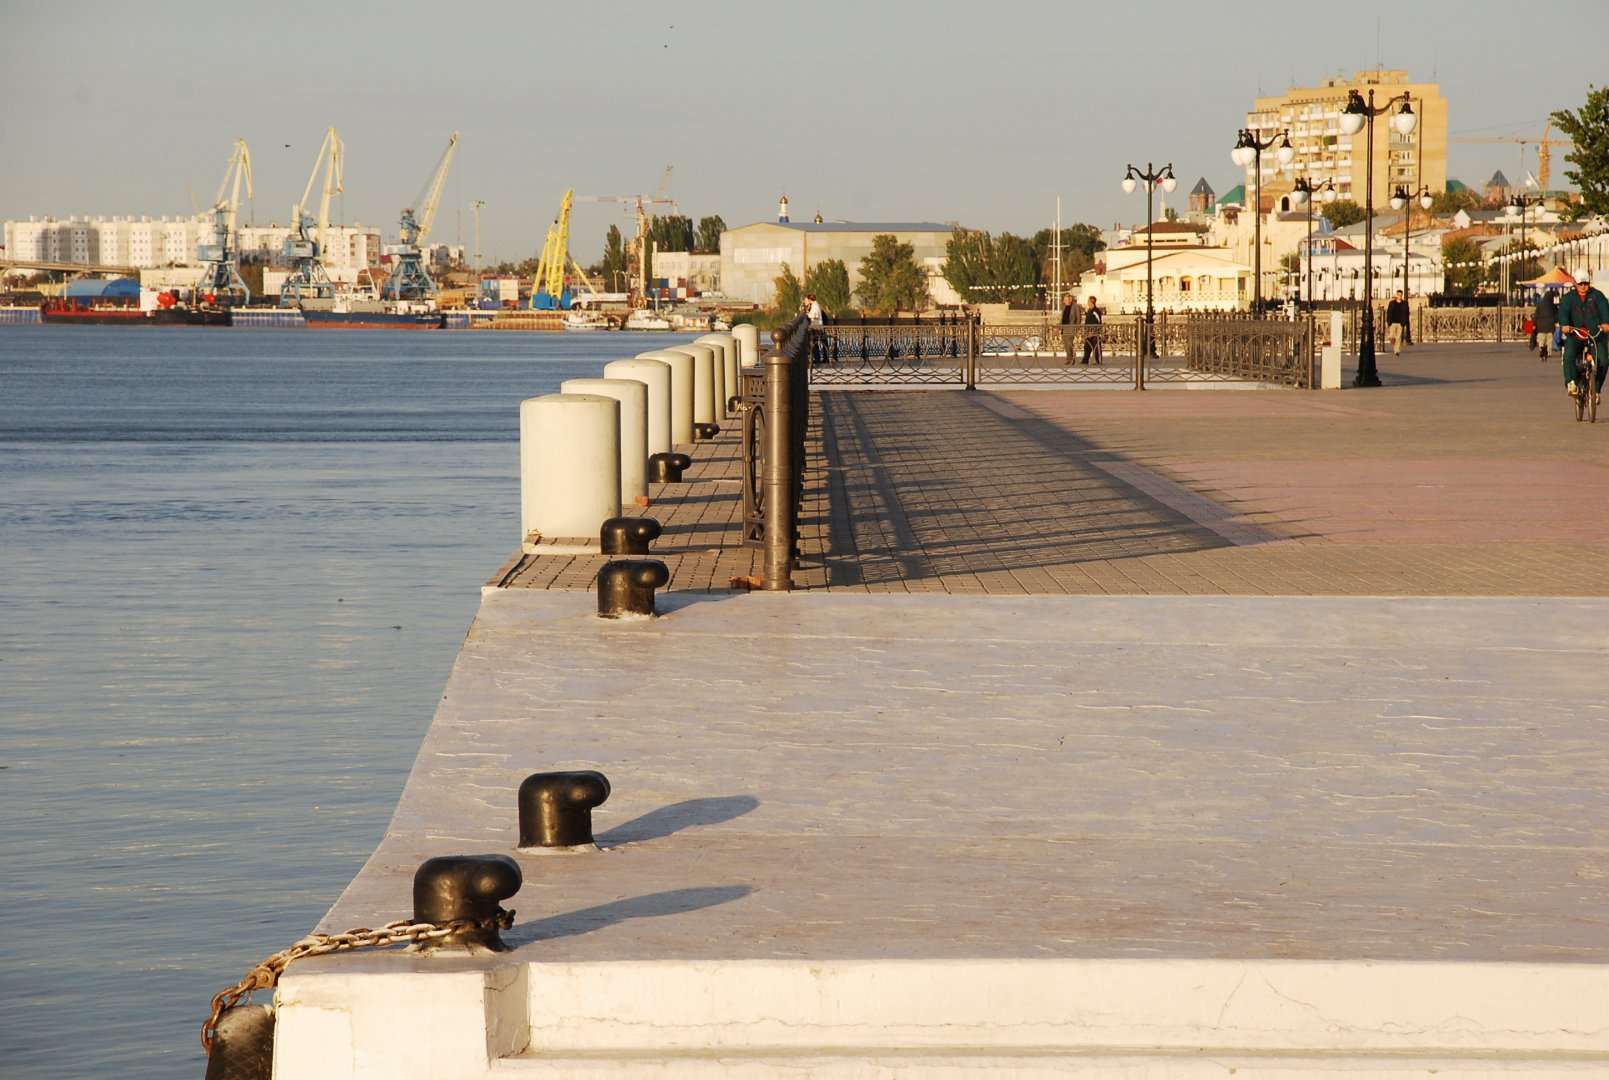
1543	321
1397	322
1585	308
1092	332
813	316
1067	324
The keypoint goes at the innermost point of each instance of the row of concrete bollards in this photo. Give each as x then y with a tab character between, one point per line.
592	449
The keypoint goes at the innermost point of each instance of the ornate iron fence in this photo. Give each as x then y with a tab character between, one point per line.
964	353
1472	323
1244	348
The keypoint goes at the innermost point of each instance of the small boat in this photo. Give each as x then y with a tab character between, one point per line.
587	320
643	319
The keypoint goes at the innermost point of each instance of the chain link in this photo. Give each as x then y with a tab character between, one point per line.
265	976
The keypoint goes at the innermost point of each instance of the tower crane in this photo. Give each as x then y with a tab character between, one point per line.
637	250
409	279
551	289
1544	145
309	279
220	260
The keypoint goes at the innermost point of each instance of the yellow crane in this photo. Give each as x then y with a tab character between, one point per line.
409	280
1544	145
637	249
551	289
220	260
308	277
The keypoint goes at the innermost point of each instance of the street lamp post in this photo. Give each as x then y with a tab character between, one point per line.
1305	194
1357	115
1247	151
1401	200
1518	205
1150	178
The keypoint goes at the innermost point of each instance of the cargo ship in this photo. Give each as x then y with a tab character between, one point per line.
354	314
72	311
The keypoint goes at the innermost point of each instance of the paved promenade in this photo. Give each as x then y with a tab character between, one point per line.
1465	475
1106	730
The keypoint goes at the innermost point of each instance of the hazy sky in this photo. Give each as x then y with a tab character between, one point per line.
977	112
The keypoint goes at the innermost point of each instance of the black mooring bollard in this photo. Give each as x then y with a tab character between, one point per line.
628	535
703	432
667	467
556	808
626	586
451	887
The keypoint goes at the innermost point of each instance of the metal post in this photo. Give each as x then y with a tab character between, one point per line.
776	468
972	351
1368	374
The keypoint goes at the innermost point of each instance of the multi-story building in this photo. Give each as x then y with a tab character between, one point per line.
108	241
1311	117
752	256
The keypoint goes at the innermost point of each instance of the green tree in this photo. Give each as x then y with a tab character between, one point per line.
614	260
710	229
1462	265
1444	203
1588	128
829	280
1079	243
985	269
1342	212
890	280
789	291
673	232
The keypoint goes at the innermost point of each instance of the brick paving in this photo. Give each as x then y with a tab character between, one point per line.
1464	475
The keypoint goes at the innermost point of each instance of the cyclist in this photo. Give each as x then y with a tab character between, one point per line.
1584	307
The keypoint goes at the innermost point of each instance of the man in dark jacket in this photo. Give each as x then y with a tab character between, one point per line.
1397	322
1586	308
1543	320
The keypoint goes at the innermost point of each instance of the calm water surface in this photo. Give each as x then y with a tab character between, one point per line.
235	568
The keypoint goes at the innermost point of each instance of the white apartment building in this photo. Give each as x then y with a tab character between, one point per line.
108	241
348	249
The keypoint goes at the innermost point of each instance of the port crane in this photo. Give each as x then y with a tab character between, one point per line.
551	289
637	250
1544	145
220	260
308	278
409	279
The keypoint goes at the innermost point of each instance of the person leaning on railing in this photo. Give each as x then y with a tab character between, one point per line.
1586	308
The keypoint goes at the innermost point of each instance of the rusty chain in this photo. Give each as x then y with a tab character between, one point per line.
265	976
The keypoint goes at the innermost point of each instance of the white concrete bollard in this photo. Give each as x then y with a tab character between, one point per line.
569	465
703	382
681	392
726	362
633	398
747	336
1329	357
655	377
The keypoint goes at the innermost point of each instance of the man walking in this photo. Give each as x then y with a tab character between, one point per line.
1067	324
1092	331
1397	322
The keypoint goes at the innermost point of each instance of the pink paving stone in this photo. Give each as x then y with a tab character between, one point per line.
1372	501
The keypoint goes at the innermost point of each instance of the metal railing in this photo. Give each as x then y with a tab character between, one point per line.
963	352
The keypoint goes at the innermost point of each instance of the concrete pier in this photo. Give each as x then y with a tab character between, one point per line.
1141	735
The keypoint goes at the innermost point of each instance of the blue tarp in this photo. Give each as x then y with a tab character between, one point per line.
118	288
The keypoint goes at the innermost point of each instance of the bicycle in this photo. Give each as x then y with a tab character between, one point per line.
1586	373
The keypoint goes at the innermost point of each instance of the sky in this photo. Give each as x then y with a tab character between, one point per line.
982	114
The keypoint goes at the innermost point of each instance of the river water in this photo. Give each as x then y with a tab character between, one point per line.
235	569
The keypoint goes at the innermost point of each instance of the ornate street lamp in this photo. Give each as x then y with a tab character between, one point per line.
1150	178
1247	151
1306	194
1518	205
1400	200
1357	115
